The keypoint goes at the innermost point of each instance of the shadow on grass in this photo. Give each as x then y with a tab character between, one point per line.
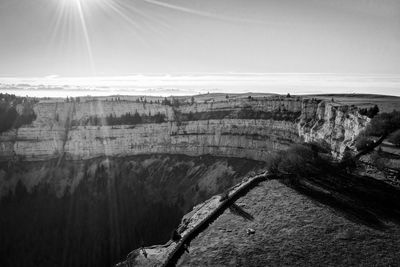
226	203
235	209
358	198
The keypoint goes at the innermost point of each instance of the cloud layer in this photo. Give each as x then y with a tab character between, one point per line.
188	84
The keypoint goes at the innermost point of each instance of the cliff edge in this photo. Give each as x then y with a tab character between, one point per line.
247	128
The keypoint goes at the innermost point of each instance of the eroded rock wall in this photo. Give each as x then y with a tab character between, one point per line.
334	124
233	128
227	137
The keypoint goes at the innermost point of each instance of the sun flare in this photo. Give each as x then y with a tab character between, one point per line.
78	3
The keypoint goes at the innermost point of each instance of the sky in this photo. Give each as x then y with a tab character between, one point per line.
125	38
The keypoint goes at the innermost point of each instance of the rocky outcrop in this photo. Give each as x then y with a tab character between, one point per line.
248	128
334	124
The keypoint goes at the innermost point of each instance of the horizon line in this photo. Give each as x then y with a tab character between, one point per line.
55	76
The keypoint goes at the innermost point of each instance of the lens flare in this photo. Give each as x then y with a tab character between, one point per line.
75	21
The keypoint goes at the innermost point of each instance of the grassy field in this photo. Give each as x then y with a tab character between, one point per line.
385	103
291	230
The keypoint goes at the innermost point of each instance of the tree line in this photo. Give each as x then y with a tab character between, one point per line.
9	116
382	125
125	119
369	112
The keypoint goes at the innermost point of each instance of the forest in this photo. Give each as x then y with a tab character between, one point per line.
9	116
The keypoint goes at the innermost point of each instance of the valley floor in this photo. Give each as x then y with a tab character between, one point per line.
291	229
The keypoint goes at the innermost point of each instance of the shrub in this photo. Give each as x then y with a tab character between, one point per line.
348	162
363	142
24	119
166	102
175	102
9	117
124	119
384	123
299	160
371	112
248	113
378	161
380	126
394	138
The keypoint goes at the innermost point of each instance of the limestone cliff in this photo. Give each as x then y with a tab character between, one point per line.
335	124
248	128
90	191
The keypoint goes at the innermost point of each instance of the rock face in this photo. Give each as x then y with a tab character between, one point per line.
332	123
237	128
92	191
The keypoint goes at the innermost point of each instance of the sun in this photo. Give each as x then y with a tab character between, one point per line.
72	11
77	19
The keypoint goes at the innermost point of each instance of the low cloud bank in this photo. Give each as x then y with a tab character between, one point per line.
188	84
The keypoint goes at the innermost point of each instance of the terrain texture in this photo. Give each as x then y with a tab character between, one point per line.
247	128
291	229
89	181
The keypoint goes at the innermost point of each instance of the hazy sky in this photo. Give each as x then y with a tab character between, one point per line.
121	37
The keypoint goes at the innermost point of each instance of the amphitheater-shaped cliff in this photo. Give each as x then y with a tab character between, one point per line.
247	128
87	182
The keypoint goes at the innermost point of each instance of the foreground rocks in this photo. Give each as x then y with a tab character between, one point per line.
192	224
